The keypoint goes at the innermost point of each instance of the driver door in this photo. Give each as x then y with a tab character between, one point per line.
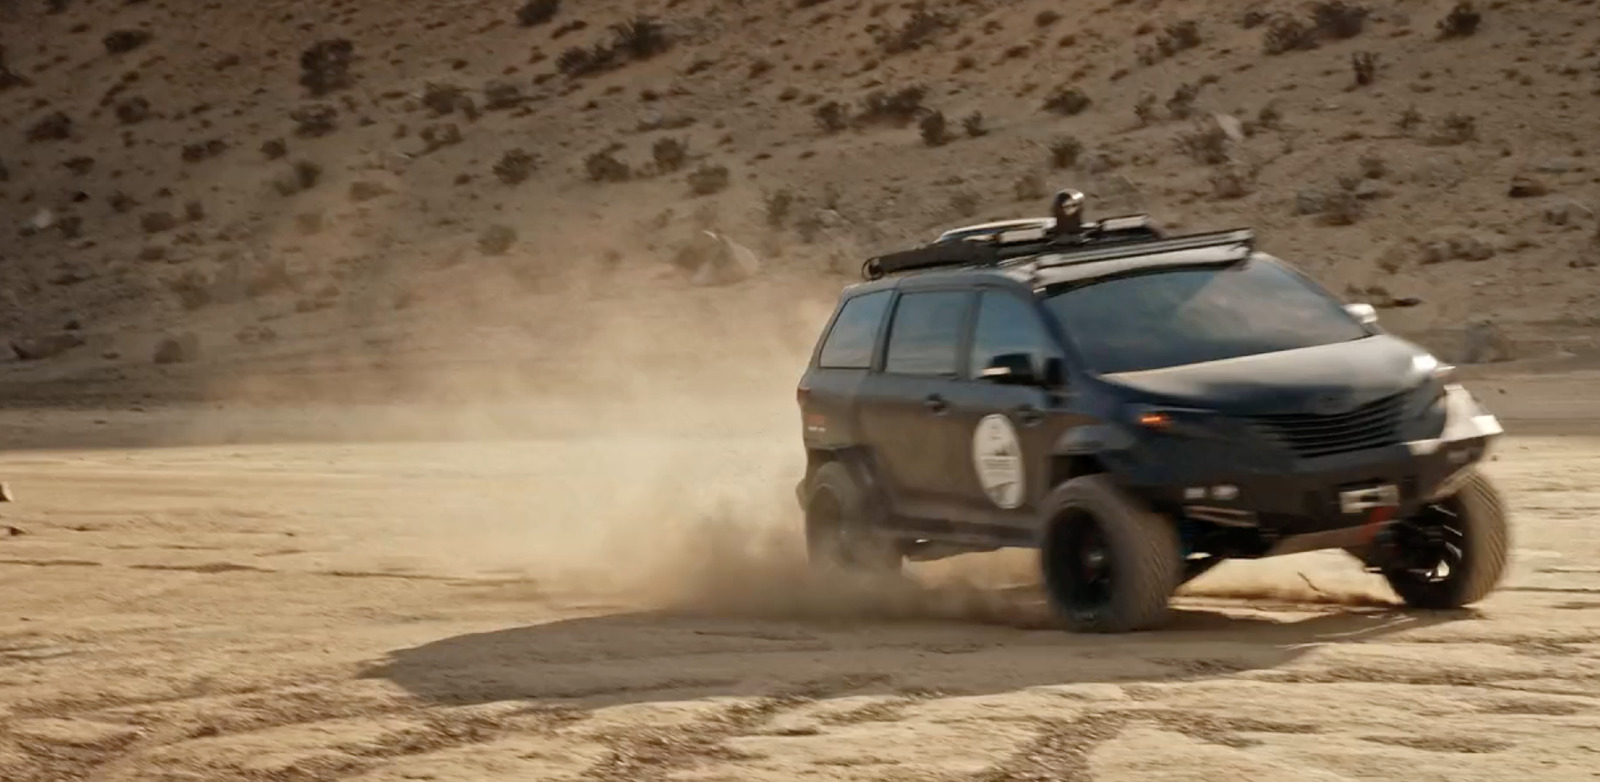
1008	423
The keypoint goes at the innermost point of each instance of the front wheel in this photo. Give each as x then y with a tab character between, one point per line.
1110	564
1453	552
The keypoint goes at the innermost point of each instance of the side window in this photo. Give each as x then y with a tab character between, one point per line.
926	333
850	342
1007	324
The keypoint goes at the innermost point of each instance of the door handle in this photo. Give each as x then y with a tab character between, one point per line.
936	404
1029	415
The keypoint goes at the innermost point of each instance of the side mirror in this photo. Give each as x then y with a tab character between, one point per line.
1012	369
1365	313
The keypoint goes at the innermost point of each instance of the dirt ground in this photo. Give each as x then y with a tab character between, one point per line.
631	607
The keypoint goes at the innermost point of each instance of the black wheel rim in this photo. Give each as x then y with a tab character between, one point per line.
1435	543
1084	559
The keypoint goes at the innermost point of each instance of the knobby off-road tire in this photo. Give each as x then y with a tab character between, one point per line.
1485	541
839	530
1141	548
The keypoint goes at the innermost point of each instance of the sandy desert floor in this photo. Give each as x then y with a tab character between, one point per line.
616	608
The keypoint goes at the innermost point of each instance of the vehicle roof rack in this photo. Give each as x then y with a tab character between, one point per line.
1064	234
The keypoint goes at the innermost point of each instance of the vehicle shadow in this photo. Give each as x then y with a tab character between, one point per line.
666	656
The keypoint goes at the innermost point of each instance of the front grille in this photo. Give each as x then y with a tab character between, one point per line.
1373	425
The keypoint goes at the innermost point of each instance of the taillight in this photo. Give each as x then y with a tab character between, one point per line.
801	394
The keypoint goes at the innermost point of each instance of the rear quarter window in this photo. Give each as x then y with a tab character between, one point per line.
849	343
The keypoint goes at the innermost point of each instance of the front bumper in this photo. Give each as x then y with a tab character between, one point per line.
1318	498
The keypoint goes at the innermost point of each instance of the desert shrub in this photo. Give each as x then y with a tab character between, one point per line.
777	206
918	29
832	116
1181	104
641	37
670	154
1455	128
1179	36
708	179
1339	20
1065	151
515	166
935	130
1067	101
604	166
1287	34
1207	144
973	125
124	41
586	60
897	108
1365	65
537	12
1461	22
325	67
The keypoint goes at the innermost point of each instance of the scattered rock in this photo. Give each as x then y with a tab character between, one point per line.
1565	212
177	350
1485	343
7	496
1370	189
1525	186
496	240
43	347
1309	202
1559	165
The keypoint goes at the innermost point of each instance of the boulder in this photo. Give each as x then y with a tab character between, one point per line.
43	347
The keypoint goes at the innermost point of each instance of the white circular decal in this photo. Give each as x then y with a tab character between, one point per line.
997	455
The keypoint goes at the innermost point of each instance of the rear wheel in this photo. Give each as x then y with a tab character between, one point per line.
1110	565
839	529
1453	552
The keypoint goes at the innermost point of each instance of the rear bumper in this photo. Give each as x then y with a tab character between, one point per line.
1334	501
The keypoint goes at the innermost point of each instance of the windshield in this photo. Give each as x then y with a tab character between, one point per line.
1179	316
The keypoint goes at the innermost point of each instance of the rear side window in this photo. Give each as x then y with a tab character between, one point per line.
926	333
850	341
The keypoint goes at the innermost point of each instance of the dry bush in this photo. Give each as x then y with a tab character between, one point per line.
670	154
1179	36
1207	144
1287	34
1461	22
832	116
581	61
604	166
935	130
133	111
965	202
1067	101
921	27
515	166
1341	208
497	239
898	108
325	67
641	37
1145	109
776	207
1365	65
314	121
124	41
1065	151
56	126
1409	120
1339	20
708	179
537	12
1453	129
1181	104
973	125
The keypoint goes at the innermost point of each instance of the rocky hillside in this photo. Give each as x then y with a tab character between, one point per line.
187	184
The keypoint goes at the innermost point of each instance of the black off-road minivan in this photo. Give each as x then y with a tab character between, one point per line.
1138	407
